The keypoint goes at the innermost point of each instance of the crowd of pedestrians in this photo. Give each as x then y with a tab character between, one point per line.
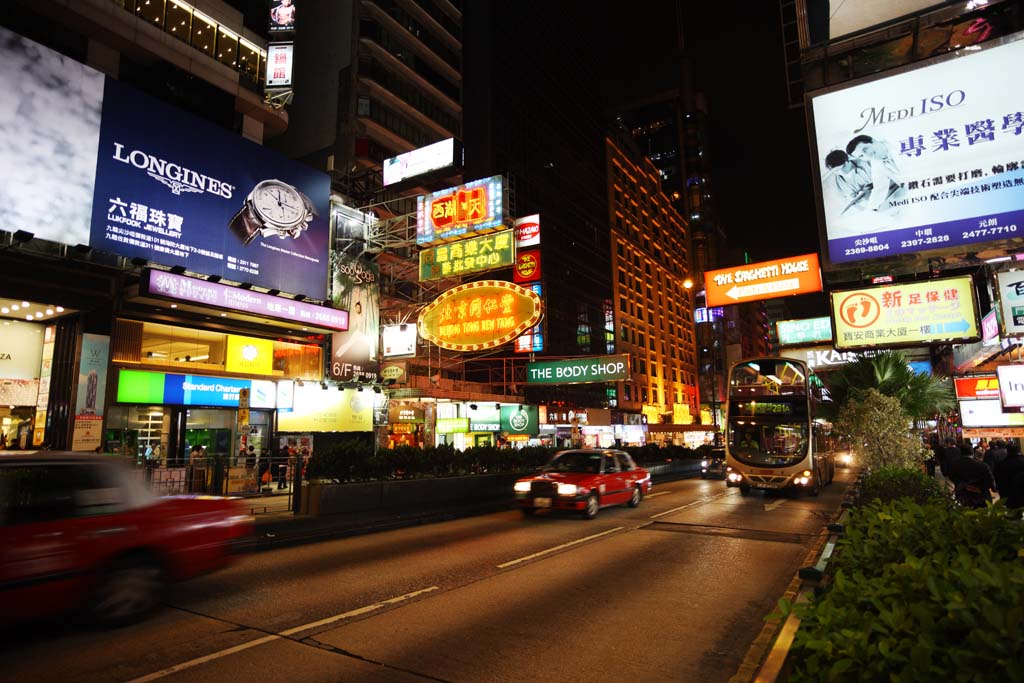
977	471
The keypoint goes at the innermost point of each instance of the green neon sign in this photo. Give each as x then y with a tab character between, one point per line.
579	370
471	255
806	331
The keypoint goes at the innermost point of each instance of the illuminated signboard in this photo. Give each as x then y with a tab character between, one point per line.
527	268
805	331
475	207
925	159
280	59
419	161
707	315
471	255
972	388
763	280
319	410
1011	302
479	315
142	386
906	314
988	413
532	341
1011	385
249	355
282	16
756	408
528	231
398	341
579	370
182	288
452	425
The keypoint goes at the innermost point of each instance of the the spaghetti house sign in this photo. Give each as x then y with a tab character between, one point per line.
480	315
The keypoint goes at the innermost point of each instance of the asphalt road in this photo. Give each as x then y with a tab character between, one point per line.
674	590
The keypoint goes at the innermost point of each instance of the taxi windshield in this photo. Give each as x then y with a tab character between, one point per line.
575	461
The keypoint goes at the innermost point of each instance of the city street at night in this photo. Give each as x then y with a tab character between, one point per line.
674	590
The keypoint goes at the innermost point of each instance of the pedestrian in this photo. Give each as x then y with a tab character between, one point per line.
1009	476
933	459
972	480
996	454
250	458
948	454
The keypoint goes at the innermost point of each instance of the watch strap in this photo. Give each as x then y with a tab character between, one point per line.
244	225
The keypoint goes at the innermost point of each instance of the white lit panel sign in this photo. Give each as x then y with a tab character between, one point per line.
280	59
420	161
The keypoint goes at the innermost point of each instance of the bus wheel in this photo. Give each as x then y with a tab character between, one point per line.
744	490
816	489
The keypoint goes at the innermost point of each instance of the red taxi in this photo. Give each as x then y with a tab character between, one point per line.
584	480
85	531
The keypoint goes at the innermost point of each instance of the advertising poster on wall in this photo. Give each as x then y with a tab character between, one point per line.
1011	301
356	290
92	386
908	314
43	398
282	16
319	410
930	158
104	165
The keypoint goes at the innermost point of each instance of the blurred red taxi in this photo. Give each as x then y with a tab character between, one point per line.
584	480
82	531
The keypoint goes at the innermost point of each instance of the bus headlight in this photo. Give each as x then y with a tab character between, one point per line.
802	481
733	476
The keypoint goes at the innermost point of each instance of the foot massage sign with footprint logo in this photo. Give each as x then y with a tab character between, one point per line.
860	310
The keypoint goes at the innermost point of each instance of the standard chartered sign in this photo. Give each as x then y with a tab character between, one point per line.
579	370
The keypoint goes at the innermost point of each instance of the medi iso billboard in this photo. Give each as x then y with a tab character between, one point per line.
102	164
929	158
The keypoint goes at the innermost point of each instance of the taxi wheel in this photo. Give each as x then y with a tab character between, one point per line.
127	591
637	496
593	505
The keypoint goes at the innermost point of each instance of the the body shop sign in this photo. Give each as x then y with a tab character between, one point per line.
471	255
802	332
912	313
763	280
520	419
475	207
479	315
579	370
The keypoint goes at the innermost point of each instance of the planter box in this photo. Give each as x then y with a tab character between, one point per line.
399	495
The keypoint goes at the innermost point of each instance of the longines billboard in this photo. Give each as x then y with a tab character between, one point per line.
102	164
929	158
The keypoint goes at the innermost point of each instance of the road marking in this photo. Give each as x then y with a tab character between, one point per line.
559	547
690	505
657	493
277	636
774	504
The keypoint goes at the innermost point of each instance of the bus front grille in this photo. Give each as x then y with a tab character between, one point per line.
766	479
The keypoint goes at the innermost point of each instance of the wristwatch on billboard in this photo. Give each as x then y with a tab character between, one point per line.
273	209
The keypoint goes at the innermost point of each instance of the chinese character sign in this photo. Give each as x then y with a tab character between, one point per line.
356	290
479	315
279	65
1011	302
475	207
927	159
907	314
471	255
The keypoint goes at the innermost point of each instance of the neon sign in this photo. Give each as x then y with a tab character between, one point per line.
479	315
476	207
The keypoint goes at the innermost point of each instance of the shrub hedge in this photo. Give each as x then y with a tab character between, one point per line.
355	460
918	592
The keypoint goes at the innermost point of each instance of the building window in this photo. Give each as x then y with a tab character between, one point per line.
227	48
179	21
203	33
152	11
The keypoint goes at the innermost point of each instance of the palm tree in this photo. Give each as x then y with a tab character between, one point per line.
921	395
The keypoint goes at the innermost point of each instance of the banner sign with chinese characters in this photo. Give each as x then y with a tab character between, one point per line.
579	370
476	207
801	332
104	165
479	315
280	60
912	313
1011	302
471	255
972	388
532	341
929	158
763	280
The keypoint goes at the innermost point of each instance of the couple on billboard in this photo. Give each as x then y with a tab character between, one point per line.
865	176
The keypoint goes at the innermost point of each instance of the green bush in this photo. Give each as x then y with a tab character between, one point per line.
889	483
918	593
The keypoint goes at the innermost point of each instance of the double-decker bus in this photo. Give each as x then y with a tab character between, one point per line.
775	437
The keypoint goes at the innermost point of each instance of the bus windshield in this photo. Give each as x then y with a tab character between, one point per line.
767	442
768	412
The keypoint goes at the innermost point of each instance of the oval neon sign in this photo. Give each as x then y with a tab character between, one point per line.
479	315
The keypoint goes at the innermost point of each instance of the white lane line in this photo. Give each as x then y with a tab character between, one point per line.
690	505
657	493
774	504
559	547
276	636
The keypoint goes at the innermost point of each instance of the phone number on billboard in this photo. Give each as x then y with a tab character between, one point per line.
871	248
985	232
938	239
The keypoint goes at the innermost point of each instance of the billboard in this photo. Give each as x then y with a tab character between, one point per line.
763	280
479	315
399	341
830	21
528	231
476	207
419	161
929	158
1010	286
989	413
328	410
143	386
102	164
91	394
974	388
282	16
280	61
802	332
532	340
527	268
1011	386
471	255
356	290
579	370
906	314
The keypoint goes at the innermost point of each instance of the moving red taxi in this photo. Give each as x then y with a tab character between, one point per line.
584	480
84	531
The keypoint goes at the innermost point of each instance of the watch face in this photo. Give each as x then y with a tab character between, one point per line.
278	203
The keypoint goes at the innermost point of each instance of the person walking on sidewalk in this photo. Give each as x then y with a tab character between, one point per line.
1009	476
948	454
972	481
996	454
